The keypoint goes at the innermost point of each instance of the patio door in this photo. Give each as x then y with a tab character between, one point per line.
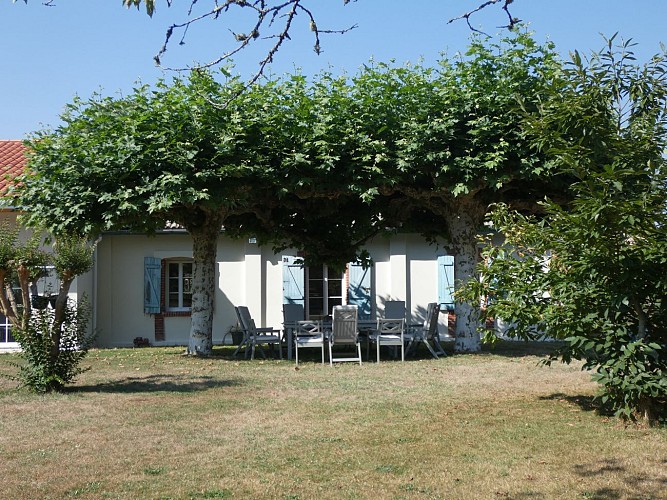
319	288
324	290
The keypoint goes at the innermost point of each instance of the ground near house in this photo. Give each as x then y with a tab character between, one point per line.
151	423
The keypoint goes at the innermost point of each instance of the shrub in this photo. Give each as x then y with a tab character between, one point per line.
44	369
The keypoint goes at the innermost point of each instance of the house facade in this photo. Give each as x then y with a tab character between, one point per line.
140	286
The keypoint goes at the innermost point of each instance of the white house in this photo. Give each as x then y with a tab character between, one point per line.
140	285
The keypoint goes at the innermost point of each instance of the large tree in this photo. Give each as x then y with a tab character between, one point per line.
595	275
173	153
444	143
267	161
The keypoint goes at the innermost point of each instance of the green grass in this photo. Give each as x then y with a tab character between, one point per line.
151	423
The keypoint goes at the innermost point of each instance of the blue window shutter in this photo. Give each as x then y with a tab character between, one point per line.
359	293
293	280
152	274
446	282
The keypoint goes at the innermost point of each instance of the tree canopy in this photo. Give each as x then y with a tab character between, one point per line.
447	142
318	165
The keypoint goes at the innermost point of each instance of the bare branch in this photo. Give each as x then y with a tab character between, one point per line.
267	15
511	23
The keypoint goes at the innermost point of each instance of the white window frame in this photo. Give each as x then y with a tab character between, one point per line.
181	285
325	292
5	332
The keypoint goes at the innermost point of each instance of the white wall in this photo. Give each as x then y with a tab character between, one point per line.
250	275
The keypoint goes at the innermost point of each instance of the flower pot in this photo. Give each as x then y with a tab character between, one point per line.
237	338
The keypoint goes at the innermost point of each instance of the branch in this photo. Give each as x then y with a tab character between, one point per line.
512	21
266	16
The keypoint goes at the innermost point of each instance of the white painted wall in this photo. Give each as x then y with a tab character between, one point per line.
250	275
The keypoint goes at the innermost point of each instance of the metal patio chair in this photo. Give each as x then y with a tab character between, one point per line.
254	337
427	333
308	333
344	332
394	309
390	332
292	313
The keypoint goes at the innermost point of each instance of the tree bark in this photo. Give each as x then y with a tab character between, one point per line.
204	247
464	217
59	315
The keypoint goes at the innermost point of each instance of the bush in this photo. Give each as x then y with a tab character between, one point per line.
49	367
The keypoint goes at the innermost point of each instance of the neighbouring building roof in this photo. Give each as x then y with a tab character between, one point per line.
12	163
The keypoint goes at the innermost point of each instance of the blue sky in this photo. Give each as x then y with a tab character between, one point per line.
50	54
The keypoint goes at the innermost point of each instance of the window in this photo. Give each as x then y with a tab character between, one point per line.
5	330
324	291
47	284
178	289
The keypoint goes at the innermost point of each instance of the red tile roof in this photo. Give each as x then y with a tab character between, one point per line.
12	163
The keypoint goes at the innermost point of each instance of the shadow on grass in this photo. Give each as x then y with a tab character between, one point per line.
156	383
585	403
638	485
521	348
507	348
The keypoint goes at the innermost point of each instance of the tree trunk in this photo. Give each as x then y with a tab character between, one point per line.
59	316
204	246
464	217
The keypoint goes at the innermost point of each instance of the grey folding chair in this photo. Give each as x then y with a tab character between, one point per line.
254	337
291	314
308	333
344	332
394	309
426	334
390	332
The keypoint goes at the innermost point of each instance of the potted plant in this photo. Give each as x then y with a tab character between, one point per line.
237	334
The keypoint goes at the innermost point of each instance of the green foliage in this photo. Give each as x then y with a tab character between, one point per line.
53	341
316	165
594	273
8	238
42	372
148	4
73	256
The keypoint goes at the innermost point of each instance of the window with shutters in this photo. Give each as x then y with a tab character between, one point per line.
178	285
319	288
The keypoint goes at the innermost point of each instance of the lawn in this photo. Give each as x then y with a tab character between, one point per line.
151	423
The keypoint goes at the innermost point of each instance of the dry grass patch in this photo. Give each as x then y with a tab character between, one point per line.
150	423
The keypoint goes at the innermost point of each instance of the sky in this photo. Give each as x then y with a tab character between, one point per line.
50	54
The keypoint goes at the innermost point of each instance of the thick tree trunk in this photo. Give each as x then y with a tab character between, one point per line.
204	246
464	217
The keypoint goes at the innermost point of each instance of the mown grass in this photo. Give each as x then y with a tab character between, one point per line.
151	423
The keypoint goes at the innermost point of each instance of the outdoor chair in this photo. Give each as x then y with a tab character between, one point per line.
292	313
390	332
344	332
394	309
427	333
308	333
254	337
